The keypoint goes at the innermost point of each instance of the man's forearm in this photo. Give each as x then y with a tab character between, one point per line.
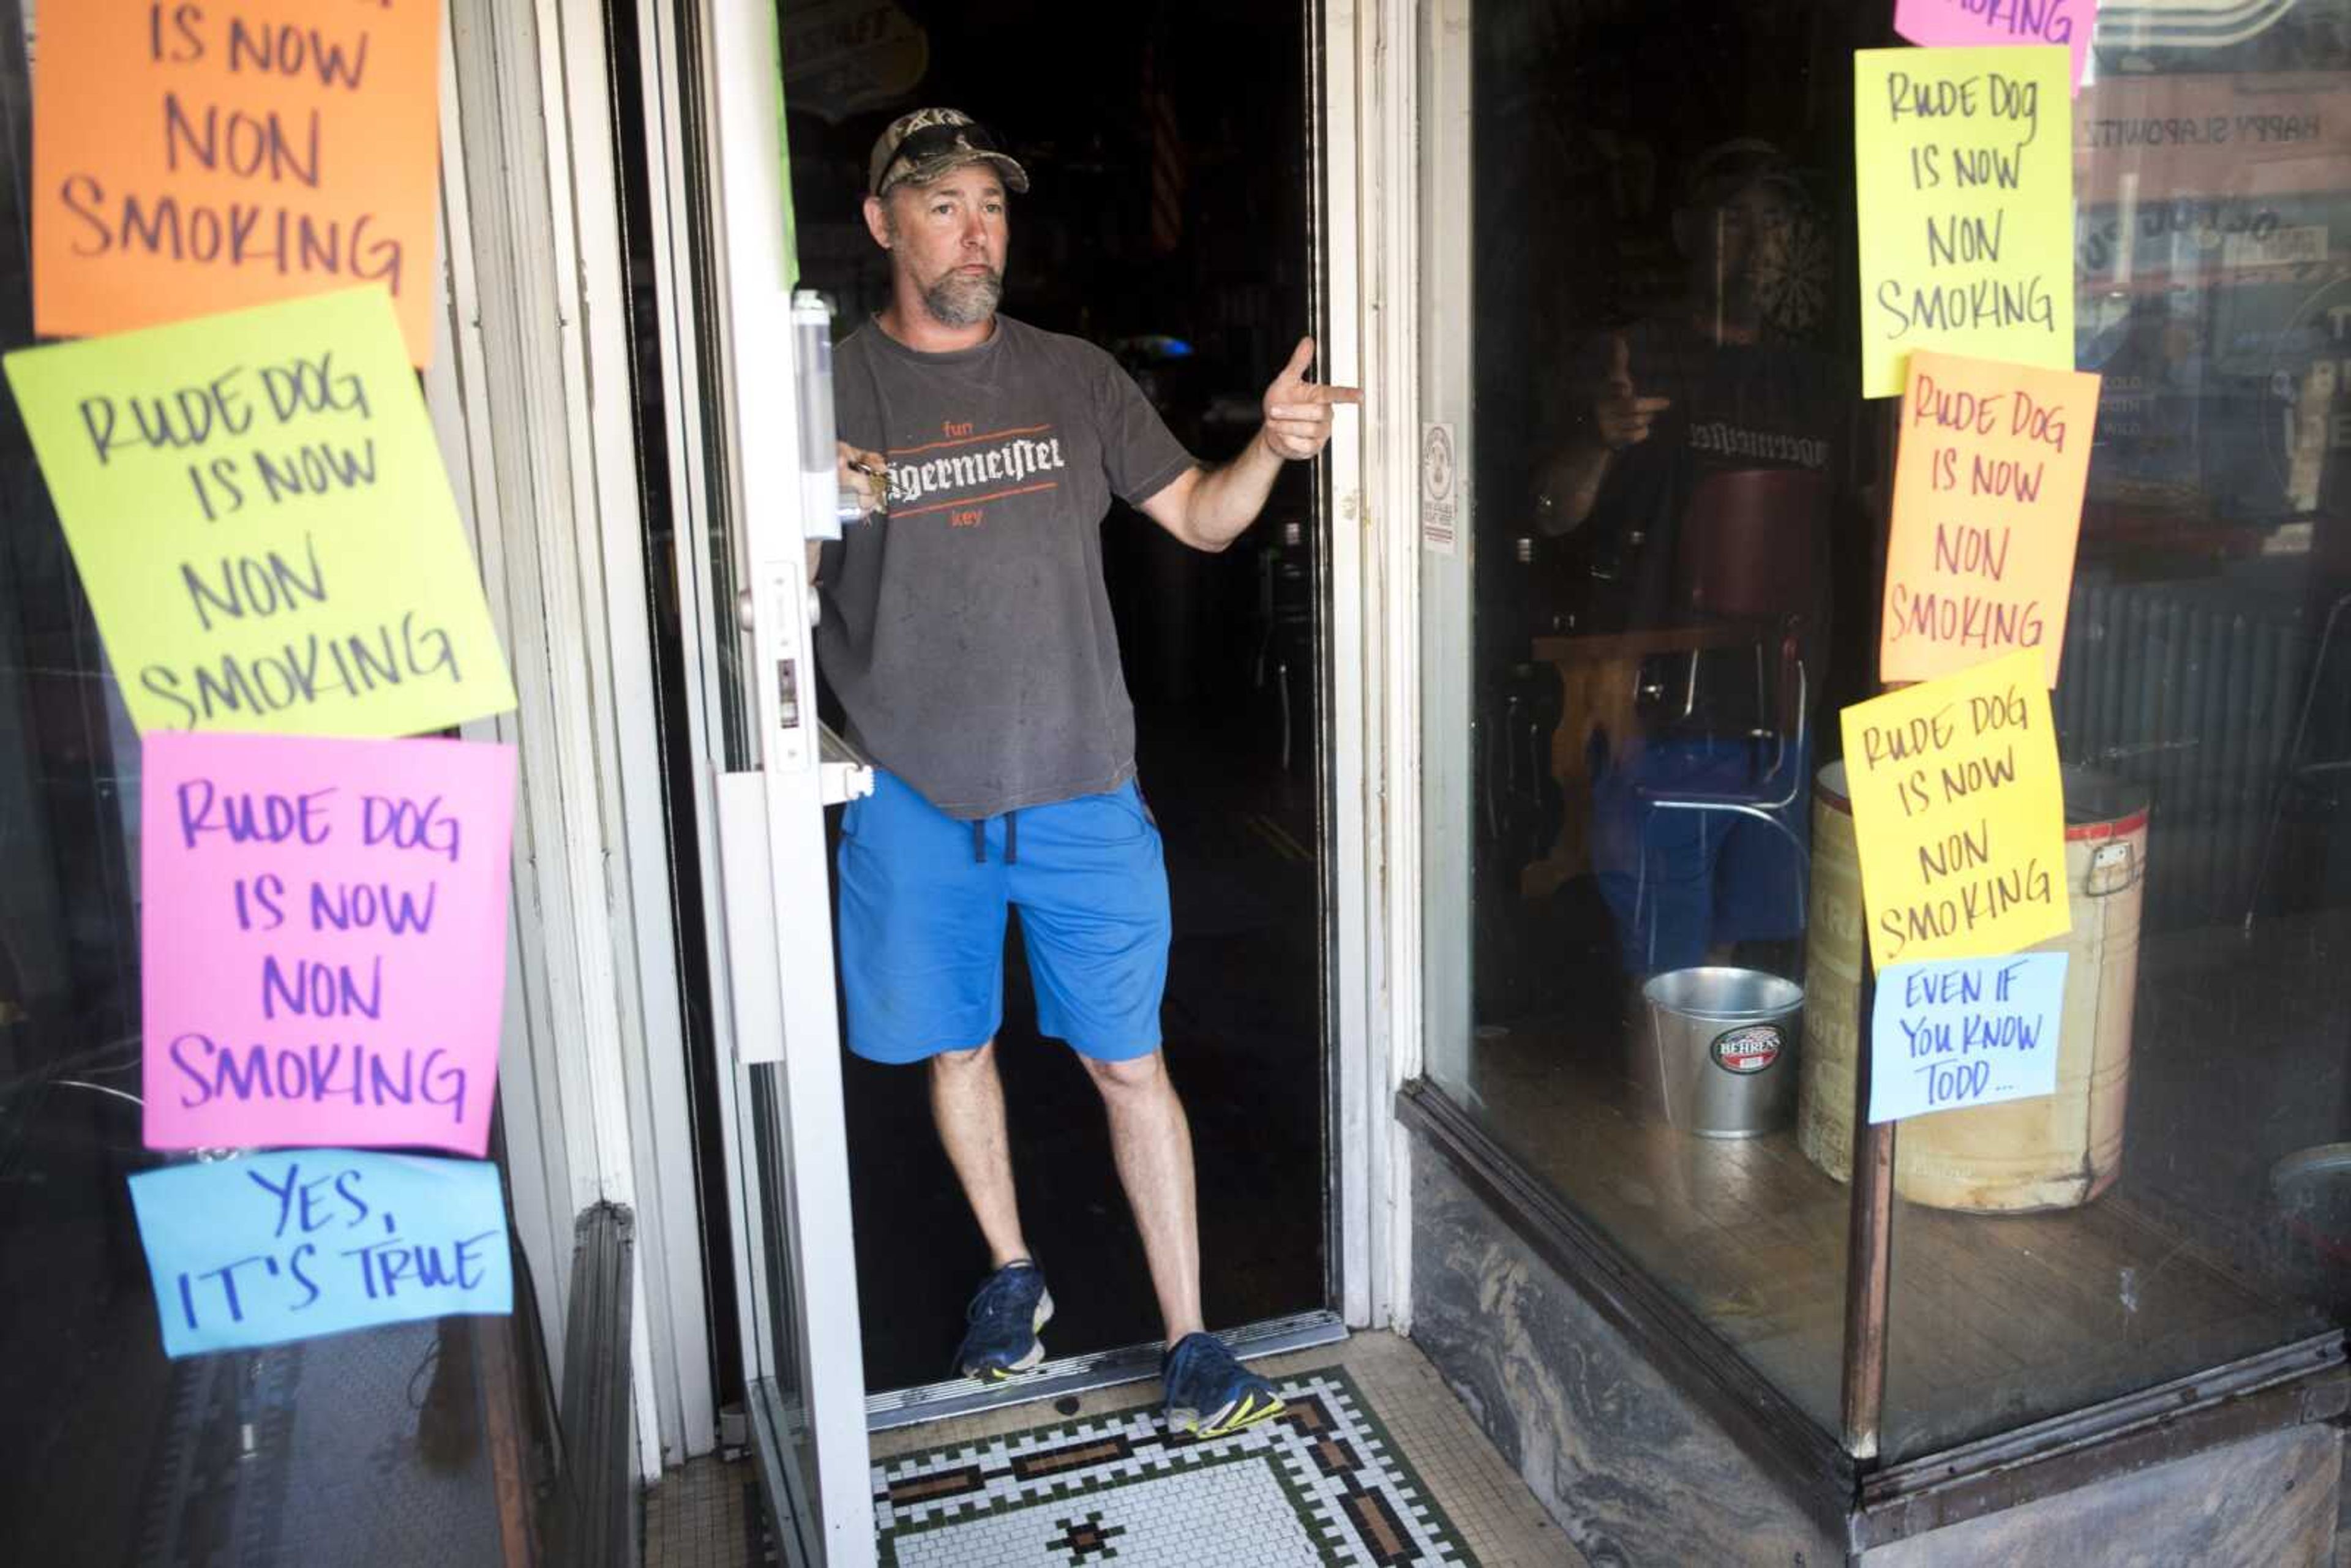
1228	497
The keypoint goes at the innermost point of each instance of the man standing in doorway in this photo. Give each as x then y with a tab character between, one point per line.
967	632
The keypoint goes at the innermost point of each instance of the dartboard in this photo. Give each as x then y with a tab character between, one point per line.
1793	270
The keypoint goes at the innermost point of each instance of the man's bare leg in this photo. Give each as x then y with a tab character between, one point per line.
1153	1143
968	1104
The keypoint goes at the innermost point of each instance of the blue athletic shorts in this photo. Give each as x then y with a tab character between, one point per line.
923	903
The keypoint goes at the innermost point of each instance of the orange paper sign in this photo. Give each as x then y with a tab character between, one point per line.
194	158
1987	507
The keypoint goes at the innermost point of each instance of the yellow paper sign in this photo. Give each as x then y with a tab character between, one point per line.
1987	509
1959	815
1964	160
193	158
262	522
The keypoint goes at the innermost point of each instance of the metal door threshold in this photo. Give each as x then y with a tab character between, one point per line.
1084	1374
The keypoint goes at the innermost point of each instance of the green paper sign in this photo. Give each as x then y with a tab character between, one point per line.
262	522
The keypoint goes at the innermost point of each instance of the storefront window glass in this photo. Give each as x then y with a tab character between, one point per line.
426	1442
1640	341
2180	1202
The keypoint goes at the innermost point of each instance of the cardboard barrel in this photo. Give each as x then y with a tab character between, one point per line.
2052	1152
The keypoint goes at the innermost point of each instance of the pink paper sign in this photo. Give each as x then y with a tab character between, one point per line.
324	939
1974	24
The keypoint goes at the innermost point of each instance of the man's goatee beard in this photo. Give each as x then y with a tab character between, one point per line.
957	300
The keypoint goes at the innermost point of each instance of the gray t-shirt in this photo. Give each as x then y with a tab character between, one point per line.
967	632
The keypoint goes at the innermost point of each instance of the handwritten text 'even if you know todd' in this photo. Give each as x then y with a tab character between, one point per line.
269	1249
258	510
1959	814
1967	1031
1964	163
246	151
325	942
1988	494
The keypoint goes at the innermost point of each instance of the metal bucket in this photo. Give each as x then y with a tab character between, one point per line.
1722	1046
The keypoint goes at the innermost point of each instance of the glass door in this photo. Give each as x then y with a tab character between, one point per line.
733	390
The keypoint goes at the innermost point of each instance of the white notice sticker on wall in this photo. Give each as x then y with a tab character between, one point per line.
1440	486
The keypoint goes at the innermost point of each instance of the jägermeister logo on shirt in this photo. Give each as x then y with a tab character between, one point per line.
962	471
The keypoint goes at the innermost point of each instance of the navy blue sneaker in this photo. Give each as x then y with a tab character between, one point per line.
1209	1393
1005	1316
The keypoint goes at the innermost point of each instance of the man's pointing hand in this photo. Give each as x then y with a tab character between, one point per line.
1297	412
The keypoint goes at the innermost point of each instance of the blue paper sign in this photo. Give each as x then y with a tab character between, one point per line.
1965	1031
289	1245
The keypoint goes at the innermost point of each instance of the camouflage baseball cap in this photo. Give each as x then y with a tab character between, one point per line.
925	145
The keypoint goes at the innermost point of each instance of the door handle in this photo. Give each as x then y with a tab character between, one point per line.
747	611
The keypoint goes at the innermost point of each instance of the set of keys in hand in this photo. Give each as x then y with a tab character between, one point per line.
872	496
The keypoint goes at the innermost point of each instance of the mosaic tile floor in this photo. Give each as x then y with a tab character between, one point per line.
1323	1484
697	1519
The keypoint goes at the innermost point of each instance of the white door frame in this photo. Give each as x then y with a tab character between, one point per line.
762	428
1367	75
534	408
662	84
